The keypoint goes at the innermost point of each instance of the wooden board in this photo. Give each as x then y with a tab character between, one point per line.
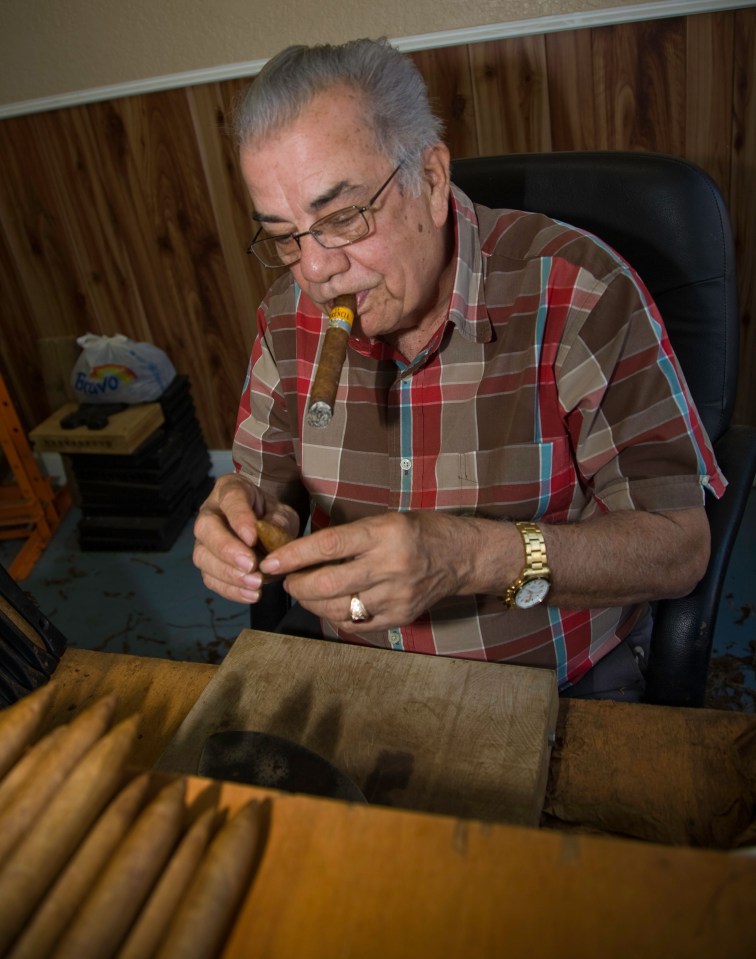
57	357
694	788
161	690
124	432
334	879
419	732
377	883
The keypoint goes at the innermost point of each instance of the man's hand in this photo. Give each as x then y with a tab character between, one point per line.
225	534
399	564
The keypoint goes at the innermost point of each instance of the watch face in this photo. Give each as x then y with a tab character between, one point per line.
532	593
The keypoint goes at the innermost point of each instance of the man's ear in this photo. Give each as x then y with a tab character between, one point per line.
437	176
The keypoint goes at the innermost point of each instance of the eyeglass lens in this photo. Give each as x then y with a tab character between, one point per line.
339	228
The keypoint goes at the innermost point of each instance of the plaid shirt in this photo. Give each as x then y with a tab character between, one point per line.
551	393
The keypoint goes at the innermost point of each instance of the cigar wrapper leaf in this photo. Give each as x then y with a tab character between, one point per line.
51	770
38	859
80	874
271	536
19	724
103	865
332	356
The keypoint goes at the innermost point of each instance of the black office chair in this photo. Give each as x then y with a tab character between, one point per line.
668	219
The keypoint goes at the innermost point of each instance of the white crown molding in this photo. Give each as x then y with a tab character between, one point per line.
428	41
580	20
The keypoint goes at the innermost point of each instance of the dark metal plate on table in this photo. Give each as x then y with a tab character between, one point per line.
262	759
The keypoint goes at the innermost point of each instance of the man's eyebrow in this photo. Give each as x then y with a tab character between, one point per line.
324	199
266	218
316	205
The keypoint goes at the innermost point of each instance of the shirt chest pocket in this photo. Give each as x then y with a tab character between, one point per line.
521	480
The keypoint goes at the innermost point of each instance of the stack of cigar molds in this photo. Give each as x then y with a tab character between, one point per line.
142	501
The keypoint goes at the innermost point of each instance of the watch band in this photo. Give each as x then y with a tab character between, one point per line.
535	548
536	564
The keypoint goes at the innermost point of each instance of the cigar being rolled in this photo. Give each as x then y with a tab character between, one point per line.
332	357
271	536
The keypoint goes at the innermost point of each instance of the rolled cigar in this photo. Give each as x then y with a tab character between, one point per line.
40	856
25	769
153	921
205	915
19	724
107	913
51	770
75	882
332	357
271	536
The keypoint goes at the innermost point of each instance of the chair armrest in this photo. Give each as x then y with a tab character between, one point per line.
684	628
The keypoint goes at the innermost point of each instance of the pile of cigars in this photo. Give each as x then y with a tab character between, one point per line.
98	859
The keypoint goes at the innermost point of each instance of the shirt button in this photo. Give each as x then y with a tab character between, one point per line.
406	464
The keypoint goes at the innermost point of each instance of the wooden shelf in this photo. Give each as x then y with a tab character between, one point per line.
31	508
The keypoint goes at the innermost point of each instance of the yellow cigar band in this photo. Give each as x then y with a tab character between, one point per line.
341	317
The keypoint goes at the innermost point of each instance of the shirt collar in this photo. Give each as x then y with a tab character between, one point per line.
468	311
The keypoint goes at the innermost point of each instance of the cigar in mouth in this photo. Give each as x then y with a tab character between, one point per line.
332	357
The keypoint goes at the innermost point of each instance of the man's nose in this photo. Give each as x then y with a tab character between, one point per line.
318	263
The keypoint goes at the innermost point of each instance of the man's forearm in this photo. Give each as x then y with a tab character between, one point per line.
612	560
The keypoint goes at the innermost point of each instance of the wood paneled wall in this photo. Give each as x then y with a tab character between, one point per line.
130	216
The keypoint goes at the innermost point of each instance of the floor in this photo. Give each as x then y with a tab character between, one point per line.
146	604
155	604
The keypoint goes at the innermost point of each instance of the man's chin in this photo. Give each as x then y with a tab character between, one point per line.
369	327
375	323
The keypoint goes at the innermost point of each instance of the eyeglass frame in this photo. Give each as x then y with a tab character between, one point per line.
362	210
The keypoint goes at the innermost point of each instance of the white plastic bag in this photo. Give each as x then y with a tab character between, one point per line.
116	369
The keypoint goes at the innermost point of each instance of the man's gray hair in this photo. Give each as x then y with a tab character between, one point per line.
393	90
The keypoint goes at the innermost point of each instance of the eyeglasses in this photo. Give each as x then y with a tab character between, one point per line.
339	228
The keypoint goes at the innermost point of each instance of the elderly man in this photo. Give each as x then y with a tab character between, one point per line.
514	468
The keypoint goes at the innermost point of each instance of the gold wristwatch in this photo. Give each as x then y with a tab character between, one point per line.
534	582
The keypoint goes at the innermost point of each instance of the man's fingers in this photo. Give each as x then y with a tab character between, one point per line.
236	594
227	535
241	571
383	560
213	539
324	547
239	503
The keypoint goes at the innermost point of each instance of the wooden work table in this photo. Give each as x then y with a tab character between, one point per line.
349	880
